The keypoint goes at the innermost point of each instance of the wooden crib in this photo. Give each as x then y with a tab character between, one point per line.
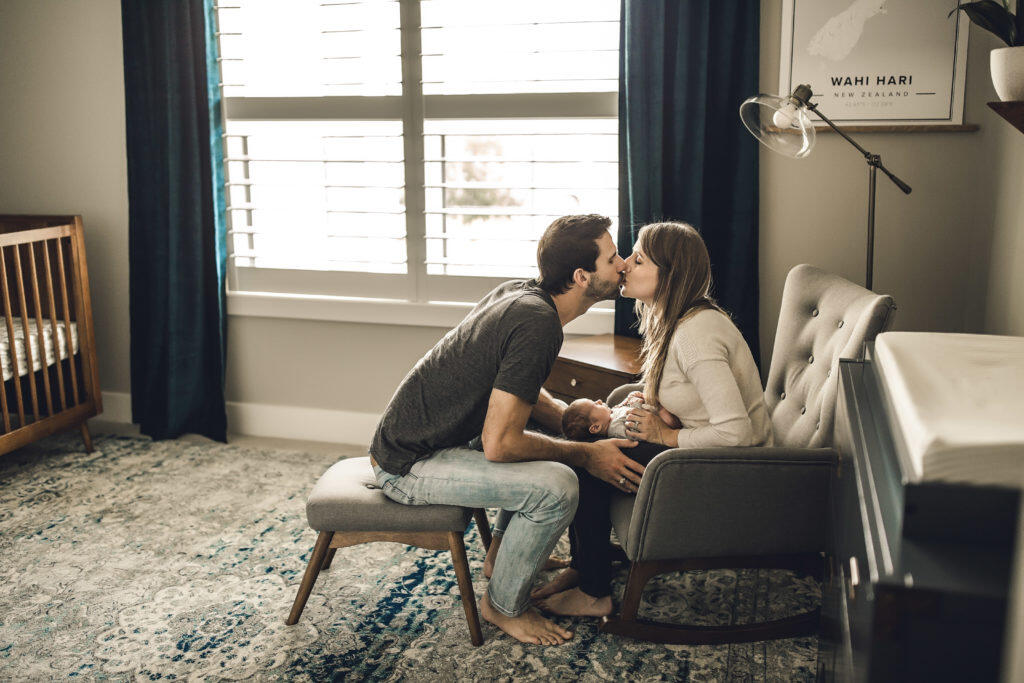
47	347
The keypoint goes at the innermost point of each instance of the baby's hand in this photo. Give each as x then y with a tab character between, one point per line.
633	399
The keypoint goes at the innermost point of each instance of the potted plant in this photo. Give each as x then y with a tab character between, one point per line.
1007	63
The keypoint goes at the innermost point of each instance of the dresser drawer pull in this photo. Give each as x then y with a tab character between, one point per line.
854	576
572	382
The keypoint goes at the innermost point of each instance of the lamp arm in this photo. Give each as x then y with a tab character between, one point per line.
813	107
872	159
899	183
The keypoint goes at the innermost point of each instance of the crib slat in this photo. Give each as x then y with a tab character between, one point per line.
27	329
39	325
3	407
67	321
12	346
53	323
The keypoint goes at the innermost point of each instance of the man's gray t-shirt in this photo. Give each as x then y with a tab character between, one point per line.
509	341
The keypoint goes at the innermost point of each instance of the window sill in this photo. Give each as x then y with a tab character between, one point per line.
382	311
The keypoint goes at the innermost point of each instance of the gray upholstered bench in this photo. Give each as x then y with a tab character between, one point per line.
348	508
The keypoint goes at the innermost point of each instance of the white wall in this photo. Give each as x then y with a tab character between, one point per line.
62	150
932	247
62	144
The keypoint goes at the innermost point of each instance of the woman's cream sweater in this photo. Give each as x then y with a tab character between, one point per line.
711	383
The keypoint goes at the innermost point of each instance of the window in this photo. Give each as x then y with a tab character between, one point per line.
411	150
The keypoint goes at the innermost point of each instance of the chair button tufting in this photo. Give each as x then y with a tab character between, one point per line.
814	312
371	486
829	373
817	426
810	359
803	409
841	323
782	395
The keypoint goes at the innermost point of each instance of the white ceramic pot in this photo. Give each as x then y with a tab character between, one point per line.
1007	64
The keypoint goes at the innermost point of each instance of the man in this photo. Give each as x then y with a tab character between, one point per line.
483	379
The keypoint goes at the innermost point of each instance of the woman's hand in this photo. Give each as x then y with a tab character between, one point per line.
647	426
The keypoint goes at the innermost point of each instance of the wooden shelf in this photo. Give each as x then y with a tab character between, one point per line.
1011	111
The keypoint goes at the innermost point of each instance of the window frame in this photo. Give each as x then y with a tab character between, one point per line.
414	298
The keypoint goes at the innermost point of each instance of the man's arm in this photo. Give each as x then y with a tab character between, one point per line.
505	440
548	411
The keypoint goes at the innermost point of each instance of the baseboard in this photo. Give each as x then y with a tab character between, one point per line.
279	422
307	424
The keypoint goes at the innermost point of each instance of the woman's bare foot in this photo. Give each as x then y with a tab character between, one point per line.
492	554
554	562
564	581
528	627
576	603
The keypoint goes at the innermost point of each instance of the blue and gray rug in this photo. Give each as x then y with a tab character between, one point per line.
171	560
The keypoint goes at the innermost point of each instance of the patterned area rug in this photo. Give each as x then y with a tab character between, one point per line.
172	560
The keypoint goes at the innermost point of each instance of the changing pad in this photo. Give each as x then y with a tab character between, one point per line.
958	401
19	345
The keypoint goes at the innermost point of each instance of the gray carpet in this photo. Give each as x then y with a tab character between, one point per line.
172	560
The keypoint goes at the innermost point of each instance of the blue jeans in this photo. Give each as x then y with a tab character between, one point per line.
541	494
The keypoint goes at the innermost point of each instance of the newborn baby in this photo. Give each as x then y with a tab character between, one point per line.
584	419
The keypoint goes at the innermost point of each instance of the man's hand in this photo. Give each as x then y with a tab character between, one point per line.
607	462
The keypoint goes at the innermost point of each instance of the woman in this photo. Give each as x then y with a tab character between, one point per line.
696	365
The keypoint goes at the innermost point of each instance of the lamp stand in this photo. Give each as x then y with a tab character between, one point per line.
874	163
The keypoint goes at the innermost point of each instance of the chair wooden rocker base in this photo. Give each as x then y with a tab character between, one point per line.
627	624
328	542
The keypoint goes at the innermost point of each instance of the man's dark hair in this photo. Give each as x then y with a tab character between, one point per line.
570	242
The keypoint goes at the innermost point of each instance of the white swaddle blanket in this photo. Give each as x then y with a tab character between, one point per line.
61	350
958	400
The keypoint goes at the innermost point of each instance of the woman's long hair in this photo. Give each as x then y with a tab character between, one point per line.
683	289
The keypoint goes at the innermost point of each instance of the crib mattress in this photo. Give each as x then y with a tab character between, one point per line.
52	353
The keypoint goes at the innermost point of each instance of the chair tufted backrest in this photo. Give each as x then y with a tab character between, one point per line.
823	318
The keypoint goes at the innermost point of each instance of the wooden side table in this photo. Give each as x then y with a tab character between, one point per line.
590	367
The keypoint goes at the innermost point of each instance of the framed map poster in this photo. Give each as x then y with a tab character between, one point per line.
877	62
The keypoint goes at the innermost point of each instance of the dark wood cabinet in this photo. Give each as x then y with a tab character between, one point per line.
591	367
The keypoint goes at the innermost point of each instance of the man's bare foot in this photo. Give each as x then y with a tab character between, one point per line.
492	554
576	603
564	581
528	627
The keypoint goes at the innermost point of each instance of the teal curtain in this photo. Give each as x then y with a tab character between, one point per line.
685	67
177	237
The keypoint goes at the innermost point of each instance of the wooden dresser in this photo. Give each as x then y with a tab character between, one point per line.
591	367
919	572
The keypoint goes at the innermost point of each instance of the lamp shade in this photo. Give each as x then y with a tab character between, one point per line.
782	124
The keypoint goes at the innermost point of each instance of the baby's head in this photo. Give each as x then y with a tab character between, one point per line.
584	419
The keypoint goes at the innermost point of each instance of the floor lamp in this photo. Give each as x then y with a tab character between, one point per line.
783	125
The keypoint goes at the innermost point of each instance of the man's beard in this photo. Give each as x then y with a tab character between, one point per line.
602	290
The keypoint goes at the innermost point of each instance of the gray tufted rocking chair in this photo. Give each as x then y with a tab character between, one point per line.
753	507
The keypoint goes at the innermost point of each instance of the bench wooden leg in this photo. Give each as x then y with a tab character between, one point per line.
458	549
328	559
483	526
323	542
86	437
